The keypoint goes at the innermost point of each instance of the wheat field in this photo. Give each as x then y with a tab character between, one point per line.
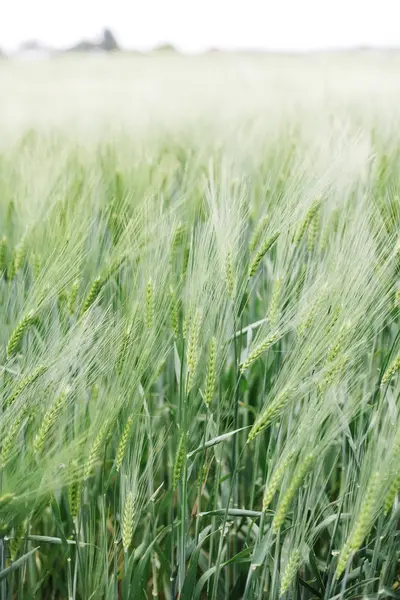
199	327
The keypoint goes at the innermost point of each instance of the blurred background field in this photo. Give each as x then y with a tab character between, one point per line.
138	93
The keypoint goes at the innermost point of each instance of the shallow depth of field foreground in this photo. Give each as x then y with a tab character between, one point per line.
199	328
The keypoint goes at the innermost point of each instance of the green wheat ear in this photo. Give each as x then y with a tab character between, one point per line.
127	521
290	572
95	450
193	349
3	255
74	490
18	333
259	350
229	275
307	220
273	313
19	256
49	420
18	536
392	369
258	231
179	461
276	479
269	242
313	231
8	441
174	312
126	342
25	382
299	474
123	443
36	264
211	372
149	303
362	523
93	293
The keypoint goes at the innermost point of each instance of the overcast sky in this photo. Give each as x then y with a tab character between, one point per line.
194	25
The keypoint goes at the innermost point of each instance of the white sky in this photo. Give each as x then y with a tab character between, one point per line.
193	25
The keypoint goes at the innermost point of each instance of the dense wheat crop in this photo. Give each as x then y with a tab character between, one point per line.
199	328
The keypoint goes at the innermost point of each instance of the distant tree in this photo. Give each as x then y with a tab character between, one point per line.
109	42
83	46
30	45
165	48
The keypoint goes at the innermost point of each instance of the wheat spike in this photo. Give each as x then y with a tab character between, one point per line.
19	533
391	370
229	275
3	255
36	264
391	494
307	219
127	521
149	303
124	349
48	421
74	490
290	572
300	282
313	231
269	242
25	382
123	443
19	256
92	294
332	373
270	413
273	312
9	439
343	559
299	474
193	349
368	508
179	461
176	240
338	343
362	525
276	480
17	334
174	312
95	450
211	372
257	233
258	351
